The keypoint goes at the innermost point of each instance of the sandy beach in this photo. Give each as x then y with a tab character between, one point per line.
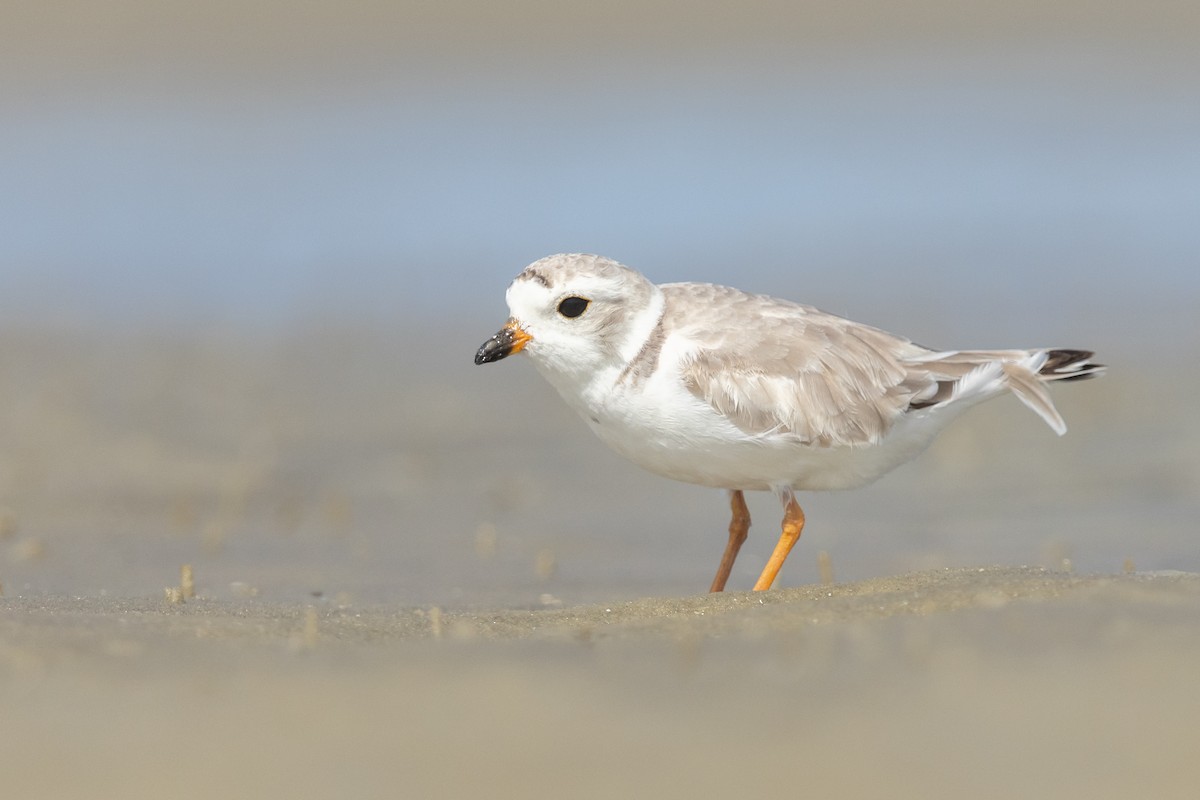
385	609
956	683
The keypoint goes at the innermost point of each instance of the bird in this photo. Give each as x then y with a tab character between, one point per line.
723	388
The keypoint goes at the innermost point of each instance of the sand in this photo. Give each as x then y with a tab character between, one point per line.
444	587
996	682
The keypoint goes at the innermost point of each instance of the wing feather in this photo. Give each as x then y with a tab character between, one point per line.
778	368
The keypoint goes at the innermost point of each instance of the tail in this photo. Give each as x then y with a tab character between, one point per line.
1026	379
1069	365
977	374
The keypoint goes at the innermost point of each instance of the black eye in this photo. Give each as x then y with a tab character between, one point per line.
573	306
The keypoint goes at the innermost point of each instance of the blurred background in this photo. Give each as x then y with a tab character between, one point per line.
247	251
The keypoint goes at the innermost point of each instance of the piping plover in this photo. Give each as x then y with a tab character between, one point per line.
714	386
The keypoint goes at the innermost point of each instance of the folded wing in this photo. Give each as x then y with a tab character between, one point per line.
779	368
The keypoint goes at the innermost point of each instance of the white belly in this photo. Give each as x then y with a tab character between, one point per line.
667	430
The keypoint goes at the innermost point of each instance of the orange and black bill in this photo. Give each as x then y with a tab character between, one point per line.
508	340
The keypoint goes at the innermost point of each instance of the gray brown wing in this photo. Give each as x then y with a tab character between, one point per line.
774	367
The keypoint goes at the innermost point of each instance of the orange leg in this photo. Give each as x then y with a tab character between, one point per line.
793	524
739	526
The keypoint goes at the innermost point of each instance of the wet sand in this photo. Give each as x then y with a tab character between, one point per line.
440	585
952	683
